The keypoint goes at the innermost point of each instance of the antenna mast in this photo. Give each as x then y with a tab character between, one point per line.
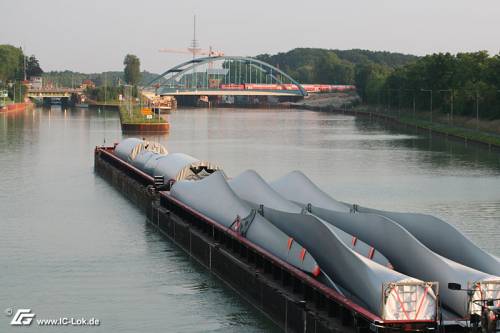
194	42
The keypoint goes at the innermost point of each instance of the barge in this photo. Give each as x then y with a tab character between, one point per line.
295	300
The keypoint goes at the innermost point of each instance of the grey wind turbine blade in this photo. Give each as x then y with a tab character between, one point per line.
213	197
251	187
362	277
408	254
455	246
295	186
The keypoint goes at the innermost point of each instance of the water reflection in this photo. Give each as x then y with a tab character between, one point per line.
72	245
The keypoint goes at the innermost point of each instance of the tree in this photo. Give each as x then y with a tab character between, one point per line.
11	63
33	67
132	69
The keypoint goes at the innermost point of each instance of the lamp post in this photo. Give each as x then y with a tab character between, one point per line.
477	107
498	91
127	90
388	100
378	99
399	103
105	90
451	101
413	101
429	90
477	110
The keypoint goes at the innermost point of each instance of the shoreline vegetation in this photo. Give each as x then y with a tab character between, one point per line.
461	90
468	129
133	120
134	116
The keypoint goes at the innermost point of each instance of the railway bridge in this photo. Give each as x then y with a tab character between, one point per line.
225	78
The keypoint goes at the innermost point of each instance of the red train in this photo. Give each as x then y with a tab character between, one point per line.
310	88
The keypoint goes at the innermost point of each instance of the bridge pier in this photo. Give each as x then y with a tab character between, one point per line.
187	100
65	102
46	101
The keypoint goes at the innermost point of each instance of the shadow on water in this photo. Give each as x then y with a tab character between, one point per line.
448	151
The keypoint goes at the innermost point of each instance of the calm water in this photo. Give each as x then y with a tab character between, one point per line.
72	246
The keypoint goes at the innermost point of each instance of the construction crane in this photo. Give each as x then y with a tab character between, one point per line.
194	49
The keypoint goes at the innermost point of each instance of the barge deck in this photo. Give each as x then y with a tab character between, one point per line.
295	301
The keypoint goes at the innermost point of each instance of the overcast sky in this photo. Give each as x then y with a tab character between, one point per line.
95	35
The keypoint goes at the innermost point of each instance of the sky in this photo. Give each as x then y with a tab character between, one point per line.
95	35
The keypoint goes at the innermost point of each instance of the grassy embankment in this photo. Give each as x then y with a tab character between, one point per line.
135	117
486	131
107	103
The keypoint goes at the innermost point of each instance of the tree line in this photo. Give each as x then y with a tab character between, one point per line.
465	82
313	65
14	67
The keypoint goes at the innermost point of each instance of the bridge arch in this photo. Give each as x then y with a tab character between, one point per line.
225	73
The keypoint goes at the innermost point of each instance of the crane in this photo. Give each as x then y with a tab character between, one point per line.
194	51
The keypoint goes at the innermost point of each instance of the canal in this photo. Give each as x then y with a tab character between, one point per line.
72	246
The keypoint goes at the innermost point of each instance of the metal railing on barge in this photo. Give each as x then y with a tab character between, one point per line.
314	293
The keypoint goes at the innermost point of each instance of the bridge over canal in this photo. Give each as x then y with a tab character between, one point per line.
214	77
65	95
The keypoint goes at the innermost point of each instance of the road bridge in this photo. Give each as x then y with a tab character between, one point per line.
46	95
54	92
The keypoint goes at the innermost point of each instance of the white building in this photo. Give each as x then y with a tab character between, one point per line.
36	82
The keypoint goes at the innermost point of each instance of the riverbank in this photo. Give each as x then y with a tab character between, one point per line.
133	120
421	121
466	129
105	104
336	100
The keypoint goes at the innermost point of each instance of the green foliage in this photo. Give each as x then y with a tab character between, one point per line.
310	65
132	71
472	78
396	80
74	79
11	63
33	67
134	116
104	93
16	92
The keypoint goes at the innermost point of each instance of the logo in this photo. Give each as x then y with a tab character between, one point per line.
23	317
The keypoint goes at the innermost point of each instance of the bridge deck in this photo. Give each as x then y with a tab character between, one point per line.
219	92
55	92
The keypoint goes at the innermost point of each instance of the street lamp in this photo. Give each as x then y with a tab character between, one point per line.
451	99
399	103
388	100
127	91
498	90
428	90
414	105
477	109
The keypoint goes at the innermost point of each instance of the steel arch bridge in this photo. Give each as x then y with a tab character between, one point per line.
226	75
